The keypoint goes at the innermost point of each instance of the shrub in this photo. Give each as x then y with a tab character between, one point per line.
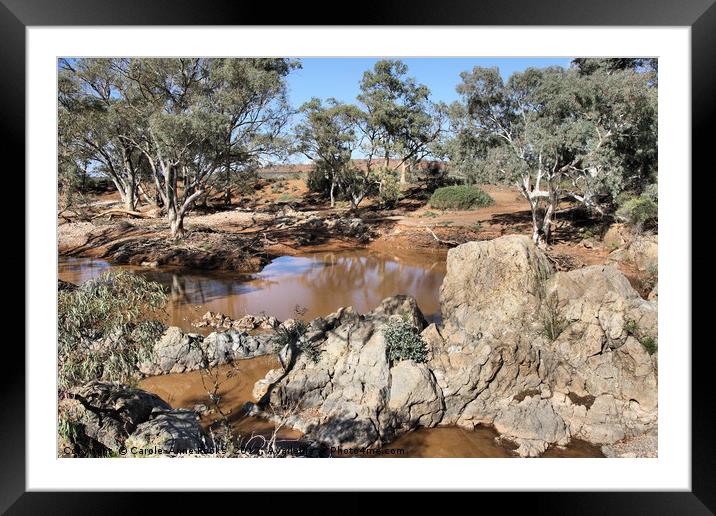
437	176
106	326
460	198
404	342
289	334
389	190
553	324
638	211
293	334
317	181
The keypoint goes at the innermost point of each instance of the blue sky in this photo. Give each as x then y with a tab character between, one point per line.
339	77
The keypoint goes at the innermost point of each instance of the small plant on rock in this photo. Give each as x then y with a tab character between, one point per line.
404	342
553	324
647	341
292	334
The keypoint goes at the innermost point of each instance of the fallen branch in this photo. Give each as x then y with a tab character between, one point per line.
440	240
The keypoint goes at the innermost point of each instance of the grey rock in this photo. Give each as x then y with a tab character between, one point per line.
111	416
171	432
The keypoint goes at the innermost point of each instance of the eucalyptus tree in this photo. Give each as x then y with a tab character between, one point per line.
93	124
327	136
400	122
560	133
195	117
250	97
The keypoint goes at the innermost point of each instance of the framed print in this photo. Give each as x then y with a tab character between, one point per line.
272	252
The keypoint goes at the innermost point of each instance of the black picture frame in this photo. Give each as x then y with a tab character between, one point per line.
700	15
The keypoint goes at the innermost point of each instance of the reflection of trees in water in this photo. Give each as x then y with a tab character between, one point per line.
365	280
328	281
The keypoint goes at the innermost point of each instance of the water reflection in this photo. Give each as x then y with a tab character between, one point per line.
319	283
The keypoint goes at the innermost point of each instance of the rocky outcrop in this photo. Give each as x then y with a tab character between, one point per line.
640	249
168	432
491	286
351	395
178	352
542	356
593	379
109	417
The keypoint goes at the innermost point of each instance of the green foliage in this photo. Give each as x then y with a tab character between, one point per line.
292	334
388	186
356	184
318	181
399	122
327	136
649	344
106	326
647	341
553	323
404	342
289	333
437	176
460	198
557	133
638	211
157	119
631	327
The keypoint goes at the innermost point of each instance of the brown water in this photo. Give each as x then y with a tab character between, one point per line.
188	389
236	382
319	283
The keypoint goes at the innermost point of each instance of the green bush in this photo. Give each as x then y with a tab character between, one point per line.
460	198
317	181
404	342
389	190
106	326
638	211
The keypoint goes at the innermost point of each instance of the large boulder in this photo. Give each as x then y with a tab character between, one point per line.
106	416
173	432
490	286
594	380
644	252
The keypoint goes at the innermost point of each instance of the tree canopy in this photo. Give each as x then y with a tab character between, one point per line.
182	119
558	132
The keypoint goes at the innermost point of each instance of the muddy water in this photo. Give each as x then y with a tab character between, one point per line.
319	283
236	383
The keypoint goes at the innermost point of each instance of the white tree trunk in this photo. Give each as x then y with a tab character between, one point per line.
176	224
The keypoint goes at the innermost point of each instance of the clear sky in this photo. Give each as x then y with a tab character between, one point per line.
339	77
